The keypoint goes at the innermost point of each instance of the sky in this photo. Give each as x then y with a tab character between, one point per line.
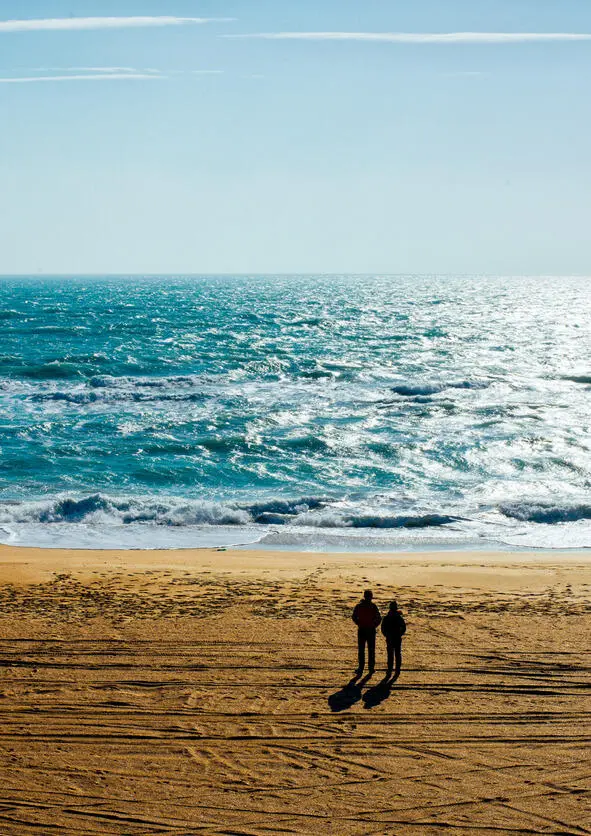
266	136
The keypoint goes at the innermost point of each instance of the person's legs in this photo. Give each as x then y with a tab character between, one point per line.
398	651
361	639
390	652
371	649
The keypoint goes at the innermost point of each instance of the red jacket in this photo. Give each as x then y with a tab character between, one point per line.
366	615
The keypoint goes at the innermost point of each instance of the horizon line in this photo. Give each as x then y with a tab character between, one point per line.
213	274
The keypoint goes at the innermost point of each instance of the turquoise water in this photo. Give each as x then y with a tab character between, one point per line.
298	411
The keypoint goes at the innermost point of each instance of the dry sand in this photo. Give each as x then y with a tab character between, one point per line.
205	692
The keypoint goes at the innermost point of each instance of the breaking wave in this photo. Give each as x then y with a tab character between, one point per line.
316	512
101	509
547	513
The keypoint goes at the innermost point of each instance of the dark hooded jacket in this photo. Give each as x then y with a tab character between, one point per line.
393	626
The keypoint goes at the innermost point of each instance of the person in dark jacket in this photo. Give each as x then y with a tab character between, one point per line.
393	628
367	618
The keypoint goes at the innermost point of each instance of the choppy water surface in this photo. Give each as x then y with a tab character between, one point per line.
299	411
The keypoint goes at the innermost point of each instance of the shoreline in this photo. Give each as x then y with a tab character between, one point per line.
256	548
290	538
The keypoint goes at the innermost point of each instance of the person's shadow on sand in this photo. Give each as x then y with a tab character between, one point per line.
380	692
348	695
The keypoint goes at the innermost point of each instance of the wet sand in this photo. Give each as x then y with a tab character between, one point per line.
206	692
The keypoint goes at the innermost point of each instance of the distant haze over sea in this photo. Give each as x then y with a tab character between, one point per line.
312	412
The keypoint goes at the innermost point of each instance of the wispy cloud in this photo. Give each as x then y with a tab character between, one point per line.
85	23
422	37
86	77
98	74
147	70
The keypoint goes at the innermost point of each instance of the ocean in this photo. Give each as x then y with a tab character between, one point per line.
302	412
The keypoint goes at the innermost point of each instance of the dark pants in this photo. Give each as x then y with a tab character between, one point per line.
366	636
394	647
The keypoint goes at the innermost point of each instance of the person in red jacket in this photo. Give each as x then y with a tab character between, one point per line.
367	618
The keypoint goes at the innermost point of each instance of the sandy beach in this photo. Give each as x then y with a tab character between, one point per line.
206	692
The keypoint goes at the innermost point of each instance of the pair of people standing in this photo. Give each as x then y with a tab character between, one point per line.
367	617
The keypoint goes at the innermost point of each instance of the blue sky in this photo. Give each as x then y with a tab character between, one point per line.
174	145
